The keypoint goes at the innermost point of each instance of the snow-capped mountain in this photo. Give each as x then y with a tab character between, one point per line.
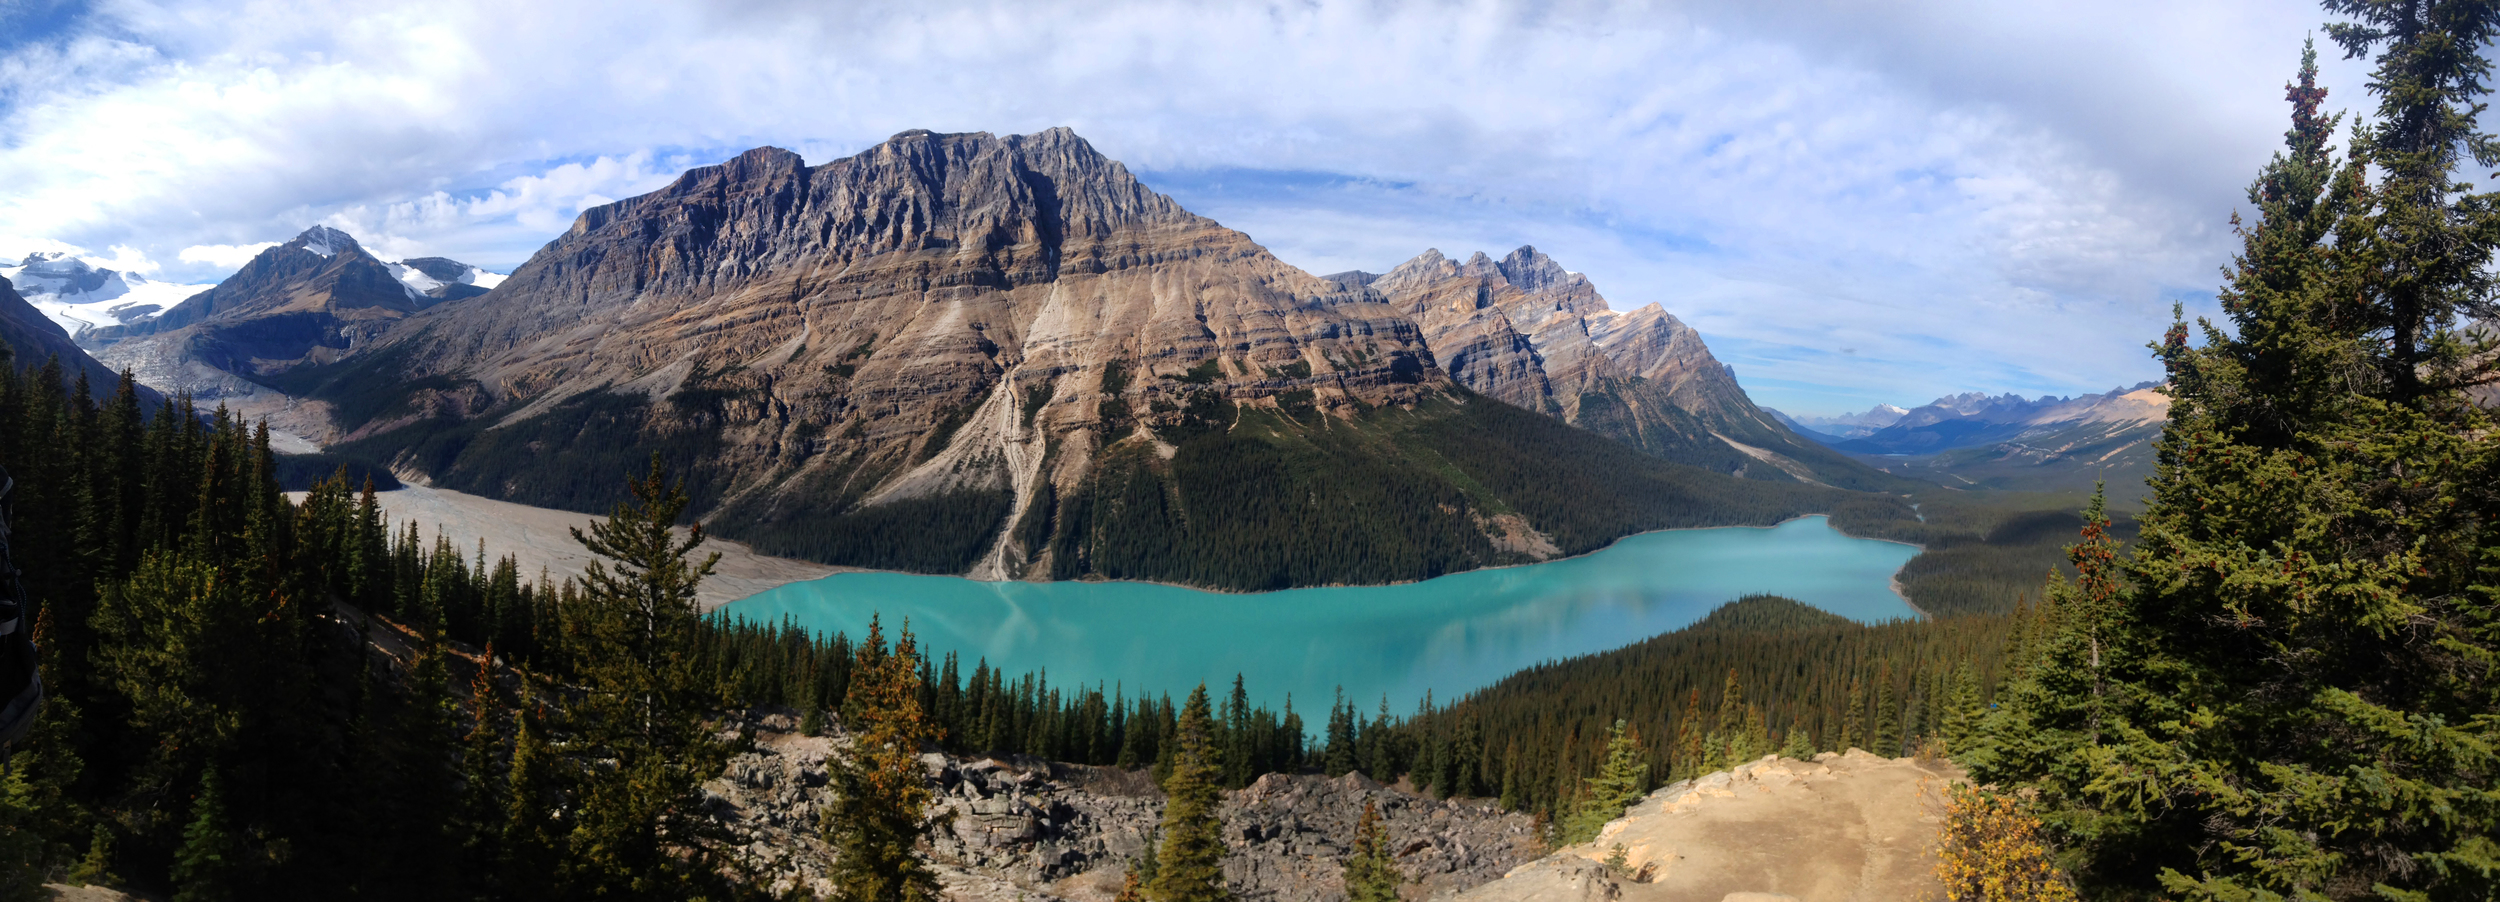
81	296
444	279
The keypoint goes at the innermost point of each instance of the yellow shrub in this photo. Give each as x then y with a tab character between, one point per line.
1991	851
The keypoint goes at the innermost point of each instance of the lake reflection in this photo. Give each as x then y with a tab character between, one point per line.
1450	635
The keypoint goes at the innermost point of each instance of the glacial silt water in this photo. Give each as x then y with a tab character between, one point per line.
1451	635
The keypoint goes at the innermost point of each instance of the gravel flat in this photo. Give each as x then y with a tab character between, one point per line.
542	538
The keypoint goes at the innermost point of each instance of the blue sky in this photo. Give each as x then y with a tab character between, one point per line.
1855	202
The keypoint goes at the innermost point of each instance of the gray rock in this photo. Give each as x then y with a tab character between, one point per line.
1041	830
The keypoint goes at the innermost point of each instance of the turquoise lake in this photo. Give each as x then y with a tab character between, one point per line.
1451	635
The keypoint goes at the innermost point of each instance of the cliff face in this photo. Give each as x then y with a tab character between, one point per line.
1003	356
1526	331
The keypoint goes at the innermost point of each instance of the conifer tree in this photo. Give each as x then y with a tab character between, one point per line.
531	842
2287	690
1371	873
1853	720
640	829
1884	728
1617	784
876	819
1190	865
1339	754
204	868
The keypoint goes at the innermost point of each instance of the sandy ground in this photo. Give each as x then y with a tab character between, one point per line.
1839	828
541	537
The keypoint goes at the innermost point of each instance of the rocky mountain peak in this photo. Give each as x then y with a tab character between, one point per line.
1532	270
1424	269
58	272
323	241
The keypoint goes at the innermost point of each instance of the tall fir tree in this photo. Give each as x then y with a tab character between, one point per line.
2286	692
1617	784
876	820
1371	873
640	831
1190	865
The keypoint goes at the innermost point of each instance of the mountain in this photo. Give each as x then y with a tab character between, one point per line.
81	296
2007	442
33	338
1006	356
309	300
1845	426
1973	419
444	279
1527	331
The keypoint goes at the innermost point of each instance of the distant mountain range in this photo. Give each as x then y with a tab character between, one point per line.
1845	426
1006	356
2010	442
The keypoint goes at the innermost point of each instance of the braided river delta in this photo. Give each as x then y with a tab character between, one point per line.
1450	635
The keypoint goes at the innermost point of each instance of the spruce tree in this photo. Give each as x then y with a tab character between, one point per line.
1853	720
640	829
1617	784
204	867
880	788
1190	865
1371	873
531	840
2287	690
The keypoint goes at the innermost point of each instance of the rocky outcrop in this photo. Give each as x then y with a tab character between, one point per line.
1038	830
1840	827
1527	331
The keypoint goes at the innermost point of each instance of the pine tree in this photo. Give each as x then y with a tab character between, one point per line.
2286	691
1371	873
1340	749
483	774
1190	865
1617	784
1961	711
204	868
1884	729
876	818
1692	754
531	841
1853	721
640	828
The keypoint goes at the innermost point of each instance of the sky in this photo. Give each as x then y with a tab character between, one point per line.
1855	202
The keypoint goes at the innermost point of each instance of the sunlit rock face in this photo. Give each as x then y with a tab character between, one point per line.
1527	331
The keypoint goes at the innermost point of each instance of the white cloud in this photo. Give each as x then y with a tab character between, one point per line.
124	259
1971	195
223	256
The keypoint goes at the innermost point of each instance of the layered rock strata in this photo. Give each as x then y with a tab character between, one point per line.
1527	331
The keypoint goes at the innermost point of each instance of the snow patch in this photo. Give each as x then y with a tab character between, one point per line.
79	296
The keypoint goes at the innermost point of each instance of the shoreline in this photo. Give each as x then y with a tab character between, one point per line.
511	528
1893	580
